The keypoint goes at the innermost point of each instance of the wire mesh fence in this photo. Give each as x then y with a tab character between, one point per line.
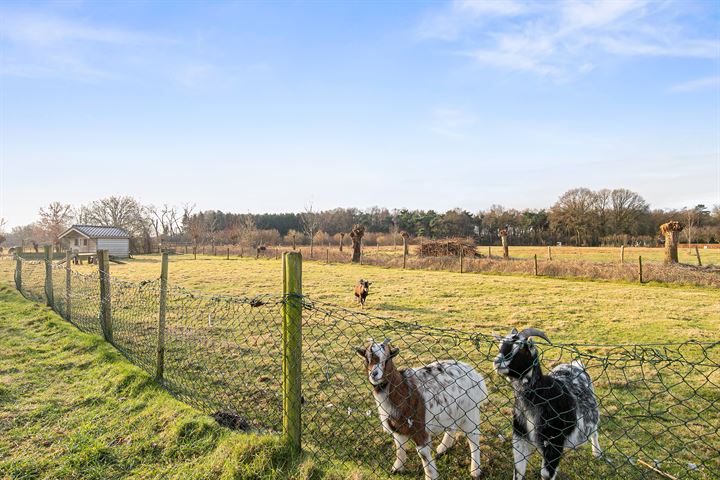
658	405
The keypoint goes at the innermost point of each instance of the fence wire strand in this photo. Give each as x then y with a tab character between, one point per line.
658	405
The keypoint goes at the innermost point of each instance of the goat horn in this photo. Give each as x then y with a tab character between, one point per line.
534	332
387	341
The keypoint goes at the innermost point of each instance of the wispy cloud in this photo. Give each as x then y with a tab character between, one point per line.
42	45
45	31
451	122
564	39
697	84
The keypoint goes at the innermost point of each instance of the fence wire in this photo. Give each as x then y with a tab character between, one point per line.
658	405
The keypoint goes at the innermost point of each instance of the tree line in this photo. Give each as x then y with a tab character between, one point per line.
580	216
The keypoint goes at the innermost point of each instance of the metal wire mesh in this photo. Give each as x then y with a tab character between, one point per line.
658	404
33	280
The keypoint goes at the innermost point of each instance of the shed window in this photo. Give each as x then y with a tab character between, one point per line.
76	242
84	242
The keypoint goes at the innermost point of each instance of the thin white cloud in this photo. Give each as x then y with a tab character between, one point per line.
451	122
463	15
45	31
490	7
565	39
697	84
597	13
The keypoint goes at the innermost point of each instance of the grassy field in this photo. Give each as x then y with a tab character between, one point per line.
338	399
709	256
573	311
72	407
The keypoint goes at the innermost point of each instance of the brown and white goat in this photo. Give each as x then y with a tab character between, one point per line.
418	403
362	290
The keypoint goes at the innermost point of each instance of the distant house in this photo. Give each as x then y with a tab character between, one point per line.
91	238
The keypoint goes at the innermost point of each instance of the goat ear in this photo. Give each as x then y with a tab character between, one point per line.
514	331
394	351
360	352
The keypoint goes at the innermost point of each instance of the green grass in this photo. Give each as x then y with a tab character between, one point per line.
72	407
337	397
569	310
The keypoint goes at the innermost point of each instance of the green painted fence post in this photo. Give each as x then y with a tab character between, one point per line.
68	285
48	277
105	306
18	269
292	350
160	363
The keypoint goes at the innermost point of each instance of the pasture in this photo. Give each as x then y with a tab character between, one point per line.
341	428
709	256
574	310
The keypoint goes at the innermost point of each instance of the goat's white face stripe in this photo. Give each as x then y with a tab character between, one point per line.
502	361
378	351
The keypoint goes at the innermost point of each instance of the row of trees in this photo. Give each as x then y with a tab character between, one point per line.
579	217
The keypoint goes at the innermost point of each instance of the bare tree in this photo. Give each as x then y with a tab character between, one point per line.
197	230
3	222
627	207
248	232
394	230
690	215
54	220
123	212
310	224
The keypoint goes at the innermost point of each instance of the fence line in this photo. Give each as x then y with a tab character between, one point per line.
659	405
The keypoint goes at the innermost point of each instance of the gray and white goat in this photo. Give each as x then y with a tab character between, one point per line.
552	412
418	403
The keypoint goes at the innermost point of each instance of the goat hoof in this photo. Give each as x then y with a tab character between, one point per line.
397	471
476	474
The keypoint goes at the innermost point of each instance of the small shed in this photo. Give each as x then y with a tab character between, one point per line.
91	238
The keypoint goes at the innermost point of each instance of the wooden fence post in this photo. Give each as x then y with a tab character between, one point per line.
536	265
640	272
18	269
228	254
461	258
327	255
622	253
292	350
697	254
160	361
105	306
549	253
48	277
68	286
489	251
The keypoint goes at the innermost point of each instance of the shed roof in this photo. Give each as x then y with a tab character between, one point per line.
97	231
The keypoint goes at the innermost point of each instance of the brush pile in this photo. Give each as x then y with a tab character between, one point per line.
449	247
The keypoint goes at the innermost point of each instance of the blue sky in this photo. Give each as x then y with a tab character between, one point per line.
268	106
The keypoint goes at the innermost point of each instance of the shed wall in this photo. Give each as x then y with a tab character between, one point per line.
117	247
